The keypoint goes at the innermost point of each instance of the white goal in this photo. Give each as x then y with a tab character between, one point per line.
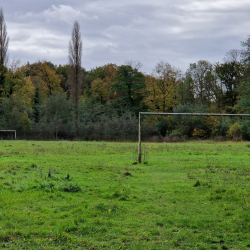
189	114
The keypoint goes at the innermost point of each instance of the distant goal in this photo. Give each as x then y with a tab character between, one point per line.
188	114
8	134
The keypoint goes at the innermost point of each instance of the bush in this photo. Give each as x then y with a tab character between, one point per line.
246	130
187	124
224	126
199	133
175	133
235	132
162	126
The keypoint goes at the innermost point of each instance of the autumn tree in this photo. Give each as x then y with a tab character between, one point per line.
4	41
18	86
44	78
74	68
102	84
99	90
162	88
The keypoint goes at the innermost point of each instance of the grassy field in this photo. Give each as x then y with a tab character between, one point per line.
93	195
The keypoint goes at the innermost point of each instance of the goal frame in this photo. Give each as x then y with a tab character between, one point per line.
187	114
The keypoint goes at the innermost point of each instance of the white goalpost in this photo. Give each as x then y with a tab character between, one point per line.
188	114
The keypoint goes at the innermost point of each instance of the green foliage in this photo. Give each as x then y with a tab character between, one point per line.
62	73
175	132
230	74
26	123
12	111
186	124
55	116
244	93
186	90
224	126
245	126
3	71
128	90
235	131
162	126
91	111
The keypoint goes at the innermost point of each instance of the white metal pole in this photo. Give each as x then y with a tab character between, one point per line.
139	139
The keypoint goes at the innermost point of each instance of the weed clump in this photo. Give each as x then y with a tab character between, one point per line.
127	174
70	187
49	173
197	184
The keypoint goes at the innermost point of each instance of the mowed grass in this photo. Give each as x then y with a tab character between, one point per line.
92	195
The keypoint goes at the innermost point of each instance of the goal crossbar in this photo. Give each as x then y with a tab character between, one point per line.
190	114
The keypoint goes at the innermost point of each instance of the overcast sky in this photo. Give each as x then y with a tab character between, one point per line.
178	32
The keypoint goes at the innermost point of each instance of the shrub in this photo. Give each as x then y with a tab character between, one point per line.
70	187
246	130
175	133
162	126
199	133
235	132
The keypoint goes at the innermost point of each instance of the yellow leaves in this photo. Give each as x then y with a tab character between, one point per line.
235	131
212	123
110	70
199	133
161	92
99	90
45	79
24	93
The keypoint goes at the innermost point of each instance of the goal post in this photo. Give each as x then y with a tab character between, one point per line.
187	114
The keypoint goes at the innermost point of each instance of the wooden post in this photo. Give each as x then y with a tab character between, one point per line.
139	139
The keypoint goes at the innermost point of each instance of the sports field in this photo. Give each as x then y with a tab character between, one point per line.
93	195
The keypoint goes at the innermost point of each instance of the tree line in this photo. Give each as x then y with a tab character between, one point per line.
47	101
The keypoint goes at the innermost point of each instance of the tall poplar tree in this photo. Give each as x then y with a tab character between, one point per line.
74	69
4	41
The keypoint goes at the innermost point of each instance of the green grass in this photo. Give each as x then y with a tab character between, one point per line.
92	195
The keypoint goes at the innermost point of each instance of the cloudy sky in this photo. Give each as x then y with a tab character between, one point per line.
113	31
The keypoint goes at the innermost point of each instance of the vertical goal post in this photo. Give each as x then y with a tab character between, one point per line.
187	114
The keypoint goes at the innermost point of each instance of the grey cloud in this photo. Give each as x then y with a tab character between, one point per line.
179	32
